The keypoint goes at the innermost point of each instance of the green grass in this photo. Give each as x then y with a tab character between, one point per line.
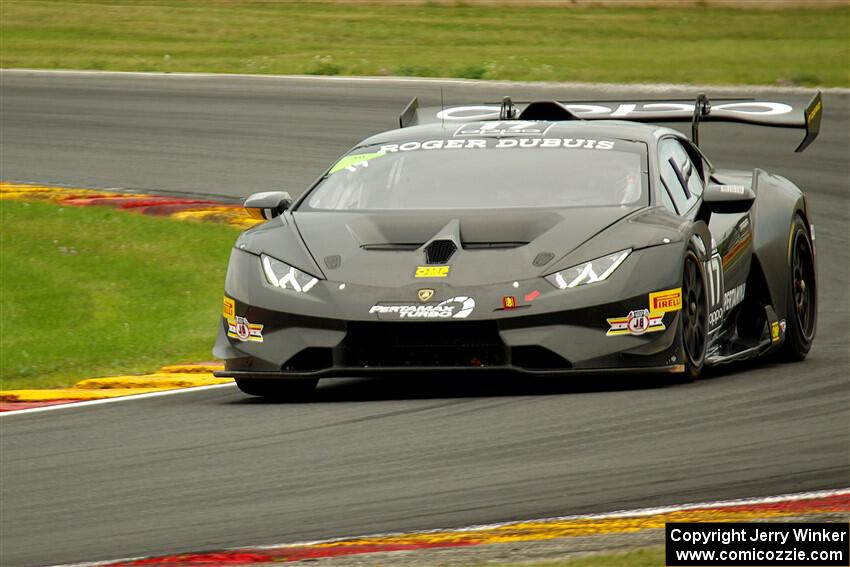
644	557
687	45
93	291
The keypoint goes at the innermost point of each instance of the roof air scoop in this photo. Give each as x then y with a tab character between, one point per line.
547	110
444	244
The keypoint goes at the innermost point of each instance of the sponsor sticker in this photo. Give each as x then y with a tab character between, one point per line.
624	110
714	275
510	128
353	162
814	112
637	322
229	309
715	318
242	329
665	301
431	271
453	308
641	321
490	143
734	296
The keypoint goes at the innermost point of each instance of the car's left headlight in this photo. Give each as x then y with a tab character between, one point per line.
285	276
589	272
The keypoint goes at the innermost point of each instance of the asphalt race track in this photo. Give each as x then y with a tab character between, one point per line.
212	469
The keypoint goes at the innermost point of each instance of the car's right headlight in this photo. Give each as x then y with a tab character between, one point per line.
589	272
284	276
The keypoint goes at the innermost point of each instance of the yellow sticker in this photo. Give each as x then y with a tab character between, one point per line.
229	309
664	301
814	112
431	272
774	331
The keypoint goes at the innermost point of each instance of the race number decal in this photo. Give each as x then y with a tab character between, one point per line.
714	287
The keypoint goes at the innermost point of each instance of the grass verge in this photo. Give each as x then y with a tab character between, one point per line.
681	45
94	291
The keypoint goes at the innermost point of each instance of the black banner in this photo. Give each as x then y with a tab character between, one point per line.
757	544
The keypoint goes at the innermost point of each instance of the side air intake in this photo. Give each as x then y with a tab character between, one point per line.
439	251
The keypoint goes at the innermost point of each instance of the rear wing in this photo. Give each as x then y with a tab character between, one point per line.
742	110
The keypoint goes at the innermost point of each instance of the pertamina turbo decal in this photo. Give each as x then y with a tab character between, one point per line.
454	308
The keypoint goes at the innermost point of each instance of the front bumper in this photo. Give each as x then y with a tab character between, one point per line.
352	372
334	330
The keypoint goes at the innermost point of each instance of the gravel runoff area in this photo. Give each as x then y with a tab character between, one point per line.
524	553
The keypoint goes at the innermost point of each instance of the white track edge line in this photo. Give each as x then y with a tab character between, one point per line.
86	403
613	87
638	512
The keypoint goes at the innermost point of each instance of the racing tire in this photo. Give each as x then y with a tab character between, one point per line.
693	327
284	390
802	312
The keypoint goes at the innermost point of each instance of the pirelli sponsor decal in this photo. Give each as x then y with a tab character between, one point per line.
229	309
665	301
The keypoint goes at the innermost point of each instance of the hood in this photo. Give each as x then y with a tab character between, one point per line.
385	249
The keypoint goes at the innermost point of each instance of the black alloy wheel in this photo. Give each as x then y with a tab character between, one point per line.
694	324
802	300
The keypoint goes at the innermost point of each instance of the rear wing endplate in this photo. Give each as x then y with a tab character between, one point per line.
745	111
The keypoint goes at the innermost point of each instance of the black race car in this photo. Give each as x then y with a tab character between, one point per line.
541	238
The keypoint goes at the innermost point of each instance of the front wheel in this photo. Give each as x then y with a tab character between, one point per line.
693	328
285	390
802	299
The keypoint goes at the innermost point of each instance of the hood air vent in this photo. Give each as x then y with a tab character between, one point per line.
439	251
543	258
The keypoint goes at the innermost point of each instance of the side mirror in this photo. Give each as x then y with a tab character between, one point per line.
267	205
728	198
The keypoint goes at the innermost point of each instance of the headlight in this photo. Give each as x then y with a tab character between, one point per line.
589	272
285	276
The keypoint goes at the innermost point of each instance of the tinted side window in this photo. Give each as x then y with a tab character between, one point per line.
681	176
667	201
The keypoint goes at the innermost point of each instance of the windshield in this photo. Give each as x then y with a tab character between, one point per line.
484	173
